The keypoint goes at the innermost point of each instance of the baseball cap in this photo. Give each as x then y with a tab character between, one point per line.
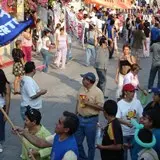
91	76
128	87
156	90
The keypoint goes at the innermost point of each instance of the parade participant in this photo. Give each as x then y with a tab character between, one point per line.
112	143
27	44
155	33
45	50
32	123
111	36
5	97
146	140
139	39
57	32
155	67
128	108
80	15
155	104
62	45
30	91
124	65
89	103
90	47
18	66
150	120
63	143
132	77
101	63
37	36
147	33
69	49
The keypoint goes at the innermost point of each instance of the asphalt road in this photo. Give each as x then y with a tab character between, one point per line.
62	86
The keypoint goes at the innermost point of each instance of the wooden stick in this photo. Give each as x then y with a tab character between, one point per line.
13	126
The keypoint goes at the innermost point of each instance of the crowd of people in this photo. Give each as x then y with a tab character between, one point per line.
132	131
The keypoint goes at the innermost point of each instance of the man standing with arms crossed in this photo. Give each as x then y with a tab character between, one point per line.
89	104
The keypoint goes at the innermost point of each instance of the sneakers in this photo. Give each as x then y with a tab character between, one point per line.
1	148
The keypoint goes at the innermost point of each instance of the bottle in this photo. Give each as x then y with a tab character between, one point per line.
98	134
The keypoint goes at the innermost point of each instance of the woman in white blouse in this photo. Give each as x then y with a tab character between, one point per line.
132	77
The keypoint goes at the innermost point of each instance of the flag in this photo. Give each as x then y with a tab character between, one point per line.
10	28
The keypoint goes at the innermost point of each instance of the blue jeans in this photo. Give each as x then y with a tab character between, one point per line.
23	110
46	59
2	128
90	52
87	128
69	53
153	72
127	139
102	79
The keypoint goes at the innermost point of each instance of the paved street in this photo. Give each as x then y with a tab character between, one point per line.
62	86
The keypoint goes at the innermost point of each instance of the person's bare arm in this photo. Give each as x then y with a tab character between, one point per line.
117	73
7	98
126	123
112	147
36	141
94	106
38	94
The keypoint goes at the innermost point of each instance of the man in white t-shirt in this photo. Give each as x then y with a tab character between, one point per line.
30	91
128	108
99	25
63	142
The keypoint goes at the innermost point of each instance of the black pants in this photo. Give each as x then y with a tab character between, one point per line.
102	79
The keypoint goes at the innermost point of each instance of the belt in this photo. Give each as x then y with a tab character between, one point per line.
85	117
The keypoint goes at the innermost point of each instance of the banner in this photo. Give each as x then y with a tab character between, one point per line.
74	26
10	28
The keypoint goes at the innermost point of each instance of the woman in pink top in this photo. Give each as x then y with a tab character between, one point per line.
61	43
27	44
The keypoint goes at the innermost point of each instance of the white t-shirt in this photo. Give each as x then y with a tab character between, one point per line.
70	155
130	78
99	23
94	20
30	88
44	42
127	111
147	154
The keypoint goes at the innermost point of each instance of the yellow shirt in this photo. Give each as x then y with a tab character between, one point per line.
94	95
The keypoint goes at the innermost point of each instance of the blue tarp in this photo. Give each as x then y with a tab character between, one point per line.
10	28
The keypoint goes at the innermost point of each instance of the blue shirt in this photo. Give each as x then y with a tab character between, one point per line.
59	148
155	32
156	133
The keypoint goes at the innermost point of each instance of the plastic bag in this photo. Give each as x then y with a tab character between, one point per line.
144	98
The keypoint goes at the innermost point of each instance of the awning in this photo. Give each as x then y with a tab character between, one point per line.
100	3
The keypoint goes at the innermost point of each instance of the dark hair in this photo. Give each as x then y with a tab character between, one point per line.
145	135
71	122
58	25
112	22
153	115
61	29
126	45
3	81
102	40
18	42
140	27
110	107
135	67
29	67
33	115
